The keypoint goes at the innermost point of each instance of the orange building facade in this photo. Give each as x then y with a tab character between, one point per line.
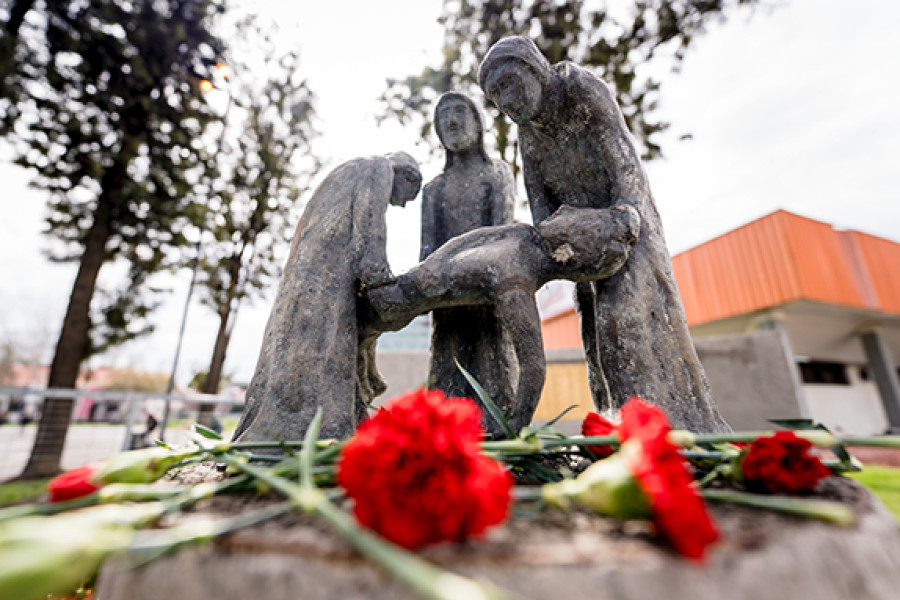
833	294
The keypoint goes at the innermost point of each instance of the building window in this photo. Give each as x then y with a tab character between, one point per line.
829	373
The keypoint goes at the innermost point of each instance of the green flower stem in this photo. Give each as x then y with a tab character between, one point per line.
321	444
702	455
818	437
426	580
201	491
826	510
14	512
877	441
151	544
514	446
271	458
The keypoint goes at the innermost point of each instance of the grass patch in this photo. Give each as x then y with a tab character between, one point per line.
884	482
17	492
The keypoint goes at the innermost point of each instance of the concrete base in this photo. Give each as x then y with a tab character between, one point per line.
559	555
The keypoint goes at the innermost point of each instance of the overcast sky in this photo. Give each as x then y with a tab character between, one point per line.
796	108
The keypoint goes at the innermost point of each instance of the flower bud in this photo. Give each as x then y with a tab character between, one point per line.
138	466
607	487
55	555
682	438
136	492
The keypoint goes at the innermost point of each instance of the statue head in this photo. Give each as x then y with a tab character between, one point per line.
407	178
459	125
514	75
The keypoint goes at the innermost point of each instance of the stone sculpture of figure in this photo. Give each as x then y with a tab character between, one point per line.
502	267
473	191
311	352
577	151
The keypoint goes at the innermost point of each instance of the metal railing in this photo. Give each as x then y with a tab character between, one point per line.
94	434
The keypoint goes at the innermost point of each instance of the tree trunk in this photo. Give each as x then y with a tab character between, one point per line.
72	346
70	351
223	337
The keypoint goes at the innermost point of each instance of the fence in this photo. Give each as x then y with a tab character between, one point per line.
102	423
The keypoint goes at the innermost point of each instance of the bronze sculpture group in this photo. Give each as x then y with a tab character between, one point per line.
595	223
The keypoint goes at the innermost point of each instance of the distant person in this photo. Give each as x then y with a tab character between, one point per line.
472	191
151	423
141	438
578	152
311	351
27	415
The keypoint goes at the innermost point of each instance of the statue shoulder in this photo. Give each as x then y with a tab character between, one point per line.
589	97
502	168
371	171
434	186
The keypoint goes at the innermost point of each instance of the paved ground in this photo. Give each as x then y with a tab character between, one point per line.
84	443
889	457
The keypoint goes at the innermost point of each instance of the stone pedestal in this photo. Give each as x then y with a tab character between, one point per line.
549	556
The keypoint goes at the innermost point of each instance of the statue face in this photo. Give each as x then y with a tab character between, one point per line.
407	182
458	125
515	90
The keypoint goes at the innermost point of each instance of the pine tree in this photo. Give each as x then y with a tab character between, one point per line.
110	119
614	38
262	165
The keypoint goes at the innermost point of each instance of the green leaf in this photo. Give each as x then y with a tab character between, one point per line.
553	421
546	430
489	405
543	473
205	432
308	453
798	424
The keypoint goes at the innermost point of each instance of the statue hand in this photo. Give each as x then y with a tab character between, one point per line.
376	279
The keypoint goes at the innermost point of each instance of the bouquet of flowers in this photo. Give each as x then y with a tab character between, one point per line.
419	471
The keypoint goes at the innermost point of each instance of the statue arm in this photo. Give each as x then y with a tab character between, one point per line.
371	196
537	195
504	197
428	239
617	149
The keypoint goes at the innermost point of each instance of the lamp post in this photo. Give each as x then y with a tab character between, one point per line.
223	72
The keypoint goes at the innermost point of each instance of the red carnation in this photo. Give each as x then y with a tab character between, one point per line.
417	475
645	479
678	510
782	464
73	484
595	425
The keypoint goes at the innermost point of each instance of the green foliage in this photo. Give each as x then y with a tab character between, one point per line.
884	482
198	381
262	164
108	117
136	381
17	492
613	38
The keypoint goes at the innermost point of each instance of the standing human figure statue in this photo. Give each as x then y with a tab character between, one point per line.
577	151
312	354
473	191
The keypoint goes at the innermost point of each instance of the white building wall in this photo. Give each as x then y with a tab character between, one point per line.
854	409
